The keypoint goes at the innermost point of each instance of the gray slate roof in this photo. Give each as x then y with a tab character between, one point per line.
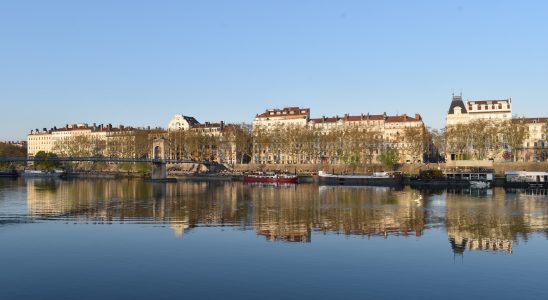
457	102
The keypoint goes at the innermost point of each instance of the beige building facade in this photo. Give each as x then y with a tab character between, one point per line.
95	140
461	112
215	141
327	139
535	146
497	112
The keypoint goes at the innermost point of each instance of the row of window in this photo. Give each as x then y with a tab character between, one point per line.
486	107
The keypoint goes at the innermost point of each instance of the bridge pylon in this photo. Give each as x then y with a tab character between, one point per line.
160	153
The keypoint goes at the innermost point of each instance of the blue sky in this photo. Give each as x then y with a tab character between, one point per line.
139	62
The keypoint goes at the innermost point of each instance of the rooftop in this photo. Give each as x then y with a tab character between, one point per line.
457	102
284	112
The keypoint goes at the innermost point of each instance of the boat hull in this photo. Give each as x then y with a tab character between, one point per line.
9	174
289	179
540	185
48	174
356	180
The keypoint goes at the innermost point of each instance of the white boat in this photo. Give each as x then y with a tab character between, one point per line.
43	173
479	184
526	179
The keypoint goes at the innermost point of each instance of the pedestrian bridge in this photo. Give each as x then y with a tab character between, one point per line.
104	159
159	160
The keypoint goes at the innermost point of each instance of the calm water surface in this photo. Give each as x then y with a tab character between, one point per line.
114	239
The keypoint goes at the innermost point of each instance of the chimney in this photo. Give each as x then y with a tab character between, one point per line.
121	127
148	127
346	116
222	125
66	126
405	117
109	126
417	116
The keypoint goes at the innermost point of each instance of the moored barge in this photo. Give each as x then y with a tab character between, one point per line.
271	178
376	179
524	179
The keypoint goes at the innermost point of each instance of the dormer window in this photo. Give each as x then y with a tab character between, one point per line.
458	110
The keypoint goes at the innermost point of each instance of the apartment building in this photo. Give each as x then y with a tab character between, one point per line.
535	146
85	140
215	141
290	136
492	110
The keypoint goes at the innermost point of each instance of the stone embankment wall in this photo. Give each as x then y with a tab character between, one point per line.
500	168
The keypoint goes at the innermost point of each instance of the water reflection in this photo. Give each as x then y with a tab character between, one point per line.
490	220
493	220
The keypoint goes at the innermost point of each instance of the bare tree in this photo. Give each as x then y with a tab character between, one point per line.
515	132
415	142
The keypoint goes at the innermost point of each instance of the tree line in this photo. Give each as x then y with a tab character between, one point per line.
349	145
485	139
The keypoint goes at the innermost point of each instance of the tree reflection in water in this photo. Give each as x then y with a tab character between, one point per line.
485	220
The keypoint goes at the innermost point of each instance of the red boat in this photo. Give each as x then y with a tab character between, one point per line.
277	178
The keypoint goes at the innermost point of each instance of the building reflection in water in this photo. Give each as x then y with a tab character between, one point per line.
487	220
491	220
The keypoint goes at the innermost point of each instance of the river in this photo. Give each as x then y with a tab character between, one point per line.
115	239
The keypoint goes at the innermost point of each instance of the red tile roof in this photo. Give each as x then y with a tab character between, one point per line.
531	120
364	117
403	118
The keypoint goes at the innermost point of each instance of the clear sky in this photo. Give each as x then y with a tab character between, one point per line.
139	62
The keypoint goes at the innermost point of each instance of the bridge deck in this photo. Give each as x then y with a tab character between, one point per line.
104	159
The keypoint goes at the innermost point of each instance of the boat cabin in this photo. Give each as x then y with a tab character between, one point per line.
469	175
528	177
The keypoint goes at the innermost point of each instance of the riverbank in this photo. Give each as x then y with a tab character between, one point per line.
412	169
